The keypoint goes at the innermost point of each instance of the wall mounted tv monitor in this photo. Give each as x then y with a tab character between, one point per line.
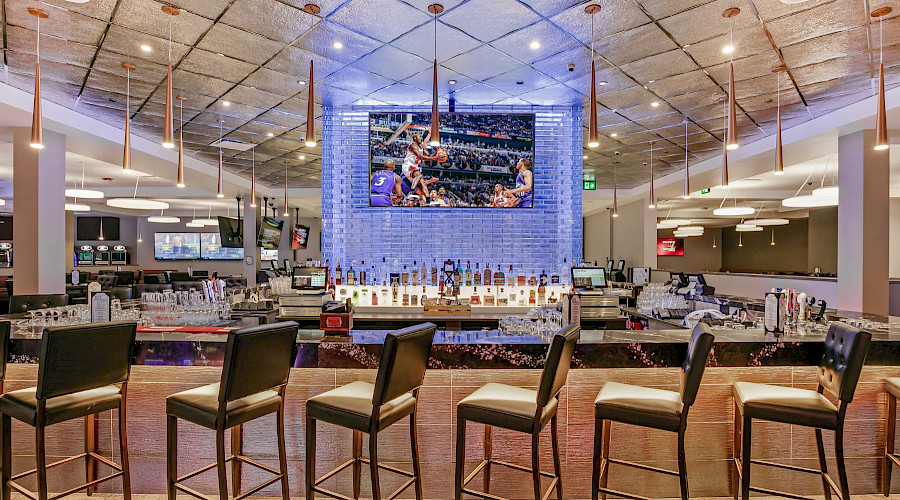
484	160
269	233
268	254
669	246
176	246
231	232
88	228
211	249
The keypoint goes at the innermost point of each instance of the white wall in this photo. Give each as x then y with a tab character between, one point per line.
634	235
596	237
894	267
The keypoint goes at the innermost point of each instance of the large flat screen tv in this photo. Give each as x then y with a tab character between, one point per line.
176	246
669	246
269	233
483	161
212	249
231	232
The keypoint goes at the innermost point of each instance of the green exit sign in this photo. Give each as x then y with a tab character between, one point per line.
590	185
704	191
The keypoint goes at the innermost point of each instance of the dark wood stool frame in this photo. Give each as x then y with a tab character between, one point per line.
91	457
890	458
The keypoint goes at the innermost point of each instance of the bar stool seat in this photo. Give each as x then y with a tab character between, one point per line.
788	405
505	406
350	406
201	405
22	405
636	405
892	385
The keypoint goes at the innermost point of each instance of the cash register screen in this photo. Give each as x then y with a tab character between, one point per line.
309	278
589	277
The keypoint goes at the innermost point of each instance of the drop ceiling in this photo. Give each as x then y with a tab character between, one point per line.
252	53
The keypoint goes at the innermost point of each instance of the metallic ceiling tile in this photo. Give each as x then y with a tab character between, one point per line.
746	68
100	80
634	44
144	71
273	20
295	62
382	20
63	24
210	9
531	80
277	118
127	43
252	96
451	42
321	37
815	22
423	80
505	17
659	66
557	66
296	106
614	17
626	97
683	83
392	63
662	121
24	40
552	41
274	82
825	47
482	63
147	17
659	9
335	97
194	102
50	70
615	80
832	69
193	82
241	45
706	21
479	94
553	94
218	66
747	42
401	95
356	80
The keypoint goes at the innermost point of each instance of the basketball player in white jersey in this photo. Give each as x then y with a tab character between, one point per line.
415	153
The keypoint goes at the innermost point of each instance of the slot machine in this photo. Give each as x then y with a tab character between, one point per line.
5	254
119	256
84	256
102	256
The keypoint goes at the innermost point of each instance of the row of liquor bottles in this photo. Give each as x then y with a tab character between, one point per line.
413	275
397	295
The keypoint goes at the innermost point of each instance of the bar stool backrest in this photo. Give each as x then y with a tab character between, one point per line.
403	362
695	362
25	303
556	365
4	350
257	359
845	351
83	357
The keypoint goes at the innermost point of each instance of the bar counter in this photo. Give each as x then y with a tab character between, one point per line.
168	362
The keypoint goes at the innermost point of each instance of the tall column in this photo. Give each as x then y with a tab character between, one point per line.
250	249
39	215
634	235
863	224
284	246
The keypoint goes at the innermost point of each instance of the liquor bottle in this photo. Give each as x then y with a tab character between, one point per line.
542	289
475	300
395	290
532	300
459	272
434	272
362	274
554	278
522	297
468	273
510	277
355	297
375	296
423	275
384	292
499	277
543	279
373	276
532	280
351	276
520	280
415	274
424	291
404	276
487	278
338	280
414	299
476	279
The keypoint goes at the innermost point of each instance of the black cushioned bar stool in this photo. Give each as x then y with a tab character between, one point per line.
24	303
892	386
254	376
838	373
83	371
4	351
371	408
518	409
648	407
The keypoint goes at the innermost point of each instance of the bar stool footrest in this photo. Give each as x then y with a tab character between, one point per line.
623	494
315	487
485	462
237	458
640	466
766	463
893	458
104	460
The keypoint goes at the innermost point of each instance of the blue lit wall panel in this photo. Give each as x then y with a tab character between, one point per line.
546	237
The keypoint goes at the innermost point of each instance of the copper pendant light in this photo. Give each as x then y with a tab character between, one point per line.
732	142
652	203
779	151
310	140
687	174
180	182
435	132
285	213
593	134
37	125
220	191
725	148
253	178
168	141
882	143
126	155
615	209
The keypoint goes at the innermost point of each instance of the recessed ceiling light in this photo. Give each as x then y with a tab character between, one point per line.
654	104
226	103
270	134
337	45
452	82
614	134
584	157
146	48
535	45
602	83
301	82
302	157
520	82
728	49
220	54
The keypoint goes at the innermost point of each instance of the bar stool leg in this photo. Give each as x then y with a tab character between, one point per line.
554	439
237	447
357	463
839	456
417	468
220	462
736	451
488	456
282	453
598	458
460	456
682	466
40	455
373	465
310	457
6	456
536	463
604	477
171	455
123	451
89	447
823	464
889	444
746	429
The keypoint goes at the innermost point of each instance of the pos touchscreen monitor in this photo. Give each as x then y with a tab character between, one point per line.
309	278
589	277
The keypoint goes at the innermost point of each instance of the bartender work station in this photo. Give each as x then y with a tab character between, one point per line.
496	249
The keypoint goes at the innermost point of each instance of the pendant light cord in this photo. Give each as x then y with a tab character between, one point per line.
880	37
170	39
39	38
136	180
